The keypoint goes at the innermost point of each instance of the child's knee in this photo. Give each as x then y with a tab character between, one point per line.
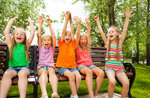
112	82
126	84
71	76
89	72
23	74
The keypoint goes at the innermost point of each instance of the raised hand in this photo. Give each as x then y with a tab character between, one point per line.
87	21
13	19
128	13
96	18
48	21
30	21
40	19
77	19
67	15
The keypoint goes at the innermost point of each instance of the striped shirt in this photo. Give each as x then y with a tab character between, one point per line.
112	62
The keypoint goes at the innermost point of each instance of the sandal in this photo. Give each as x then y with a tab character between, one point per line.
54	95
44	96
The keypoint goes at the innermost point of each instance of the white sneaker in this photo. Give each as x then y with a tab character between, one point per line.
95	96
76	96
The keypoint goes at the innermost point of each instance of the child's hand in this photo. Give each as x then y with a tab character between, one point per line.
77	19
48	21
67	15
87	21
40	19
128	13
96	18
13	19
30	21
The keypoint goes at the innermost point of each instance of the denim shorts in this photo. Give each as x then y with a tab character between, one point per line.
61	70
17	69
81	66
46	67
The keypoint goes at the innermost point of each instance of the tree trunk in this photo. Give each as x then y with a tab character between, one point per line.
111	4
148	34
137	37
137	52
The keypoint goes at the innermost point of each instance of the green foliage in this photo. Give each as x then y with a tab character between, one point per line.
23	9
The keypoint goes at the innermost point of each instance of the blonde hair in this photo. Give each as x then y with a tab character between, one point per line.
47	35
87	47
25	42
109	44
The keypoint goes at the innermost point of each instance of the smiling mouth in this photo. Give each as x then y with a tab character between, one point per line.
111	36
67	40
18	38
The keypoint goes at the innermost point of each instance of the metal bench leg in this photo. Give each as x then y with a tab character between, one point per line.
35	90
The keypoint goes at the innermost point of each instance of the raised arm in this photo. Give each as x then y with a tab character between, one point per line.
65	25
128	14
78	20
71	25
96	18
7	31
88	30
52	32
31	31
40	30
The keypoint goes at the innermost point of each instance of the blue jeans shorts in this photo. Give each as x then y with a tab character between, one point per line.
90	67
17	69
61	70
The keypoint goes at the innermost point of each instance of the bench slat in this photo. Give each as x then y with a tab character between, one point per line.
2	54
98	59
98	55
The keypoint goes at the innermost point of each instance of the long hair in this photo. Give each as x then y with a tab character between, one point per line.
87	47
117	40
47	35
13	44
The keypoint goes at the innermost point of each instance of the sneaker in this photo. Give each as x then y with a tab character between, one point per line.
54	95
76	96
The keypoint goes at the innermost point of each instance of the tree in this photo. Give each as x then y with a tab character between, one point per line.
148	33
21	8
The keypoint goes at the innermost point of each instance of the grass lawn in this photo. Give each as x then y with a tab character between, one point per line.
140	88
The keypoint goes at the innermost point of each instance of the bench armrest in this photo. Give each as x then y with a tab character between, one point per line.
129	67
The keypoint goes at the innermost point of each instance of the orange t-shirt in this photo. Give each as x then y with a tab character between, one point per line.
66	56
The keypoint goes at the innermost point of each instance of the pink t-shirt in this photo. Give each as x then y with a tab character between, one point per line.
83	57
46	56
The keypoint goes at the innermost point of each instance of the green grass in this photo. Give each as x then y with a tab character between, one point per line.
140	88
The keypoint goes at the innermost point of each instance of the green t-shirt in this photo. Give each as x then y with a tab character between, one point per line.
19	56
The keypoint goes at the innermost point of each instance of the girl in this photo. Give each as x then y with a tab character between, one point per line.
114	56
46	67
18	59
84	61
66	59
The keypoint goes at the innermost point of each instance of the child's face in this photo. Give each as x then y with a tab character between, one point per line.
46	41
67	38
112	34
83	40
19	36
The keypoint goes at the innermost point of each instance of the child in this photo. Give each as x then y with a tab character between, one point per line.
114	56
84	61
18	59
66	59
46	67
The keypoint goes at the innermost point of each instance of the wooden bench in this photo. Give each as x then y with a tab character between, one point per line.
32	79
98	58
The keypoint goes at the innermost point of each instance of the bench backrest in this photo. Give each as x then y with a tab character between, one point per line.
97	53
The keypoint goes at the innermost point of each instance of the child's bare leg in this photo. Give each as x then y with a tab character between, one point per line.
100	76
72	84
78	79
88	79
125	83
22	83
112	83
43	79
53	79
6	82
